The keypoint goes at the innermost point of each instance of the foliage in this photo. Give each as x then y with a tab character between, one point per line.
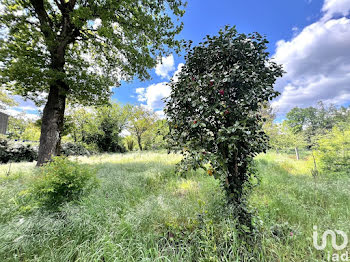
31	132
111	120
141	124
22	128
315	121
101	42
17	126
162	130
98	127
103	126
5	99
283	138
80	122
213	109
16	152
61	181
130	143
78	50
75	149
333	151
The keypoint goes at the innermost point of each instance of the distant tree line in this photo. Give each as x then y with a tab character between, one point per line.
107	128
322	130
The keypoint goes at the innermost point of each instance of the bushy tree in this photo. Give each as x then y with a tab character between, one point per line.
162	130
141	121
80	123
79	49
17	125
110	121
129	143
214	107
333	151
313	121
282	137
31	132
97	127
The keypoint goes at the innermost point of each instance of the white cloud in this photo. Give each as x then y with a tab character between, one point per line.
165	66
317	62
13	112
335	7
140	94
97	23
178	70
25	108
154	94
160	114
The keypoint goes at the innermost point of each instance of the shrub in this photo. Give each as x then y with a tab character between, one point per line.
75	149
333	152
130	143
214	107
16	152
62	181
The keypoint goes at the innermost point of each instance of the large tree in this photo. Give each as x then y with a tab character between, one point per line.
54	50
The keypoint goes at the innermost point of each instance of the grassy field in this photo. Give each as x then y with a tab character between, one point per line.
143	211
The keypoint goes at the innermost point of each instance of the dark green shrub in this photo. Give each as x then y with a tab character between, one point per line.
75	149
62	181
16	152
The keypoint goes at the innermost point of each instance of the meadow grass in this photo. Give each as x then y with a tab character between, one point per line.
144	211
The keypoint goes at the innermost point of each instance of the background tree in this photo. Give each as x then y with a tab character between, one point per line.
312	121
333	151
270	128
78	49
162	130
129	143
31	132
141	121
111	120
81	122
214	108
5	99
17	125
285	139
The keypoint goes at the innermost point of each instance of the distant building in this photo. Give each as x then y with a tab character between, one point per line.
4	119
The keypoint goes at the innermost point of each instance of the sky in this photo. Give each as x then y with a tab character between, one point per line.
310	38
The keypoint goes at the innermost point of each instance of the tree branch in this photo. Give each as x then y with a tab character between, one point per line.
59	5
46	24
72	4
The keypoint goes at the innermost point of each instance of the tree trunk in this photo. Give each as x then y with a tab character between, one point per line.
52	123
139	142
297	153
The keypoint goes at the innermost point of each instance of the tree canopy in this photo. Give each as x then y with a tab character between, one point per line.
101	42
54	50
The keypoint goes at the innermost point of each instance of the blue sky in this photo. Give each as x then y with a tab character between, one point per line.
311	38
310	34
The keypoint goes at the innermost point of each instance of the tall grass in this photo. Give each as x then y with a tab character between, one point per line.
143	211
